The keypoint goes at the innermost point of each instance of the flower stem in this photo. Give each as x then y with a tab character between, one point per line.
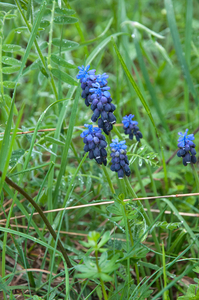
196	177
99	271
108	179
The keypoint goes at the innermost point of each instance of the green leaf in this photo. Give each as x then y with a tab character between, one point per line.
10	16
114	210
66	44
44	23
10	70
104	239
64	11
61	62
43	45
16	155
11	61
9	84
65	20
10	47
64	77
7	6
192	293
165	225
54	141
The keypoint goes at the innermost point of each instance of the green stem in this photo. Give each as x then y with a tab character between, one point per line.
99	271
123	187
1	75
50	35
132	243
51	230
196	177
108	179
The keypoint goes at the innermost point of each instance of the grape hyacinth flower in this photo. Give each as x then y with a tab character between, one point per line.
187	148
95	144
120	163
131	128
95	92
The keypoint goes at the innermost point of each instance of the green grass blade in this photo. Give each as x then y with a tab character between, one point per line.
29	237
9	150
98	49
178	47
136	88
68	141
148	82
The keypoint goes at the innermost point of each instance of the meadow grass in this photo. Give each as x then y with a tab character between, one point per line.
69	228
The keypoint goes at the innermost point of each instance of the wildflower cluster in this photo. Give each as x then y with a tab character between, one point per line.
187	148
131	128
120	163
95	92
95	144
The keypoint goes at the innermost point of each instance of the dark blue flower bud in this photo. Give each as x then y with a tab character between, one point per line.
120	174
91	154
111	118
100	105
91	145
193	159
112	107
97	153
103	152
122	163
107	107
104	116
103	100
102	144
130	136
96	140
100	123
117	167
86	148
193	151
184	161
113	168
99	160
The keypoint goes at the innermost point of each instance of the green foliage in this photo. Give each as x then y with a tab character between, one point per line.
150	52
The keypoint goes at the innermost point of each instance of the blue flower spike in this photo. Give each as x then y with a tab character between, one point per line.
96	93
95	144
131	128
187	148
120	163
